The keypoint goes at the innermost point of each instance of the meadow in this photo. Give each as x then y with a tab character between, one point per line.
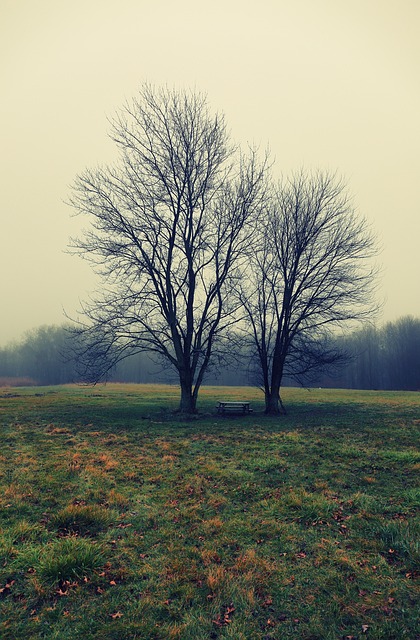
119	519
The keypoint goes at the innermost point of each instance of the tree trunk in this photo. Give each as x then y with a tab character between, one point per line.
188	402
273	404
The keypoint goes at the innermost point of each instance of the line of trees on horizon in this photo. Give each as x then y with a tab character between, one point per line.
385	357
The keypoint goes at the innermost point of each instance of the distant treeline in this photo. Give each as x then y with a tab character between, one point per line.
387	357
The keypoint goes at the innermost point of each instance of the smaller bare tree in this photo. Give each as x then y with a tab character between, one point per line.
310	271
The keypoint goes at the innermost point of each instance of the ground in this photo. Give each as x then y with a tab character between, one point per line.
121	520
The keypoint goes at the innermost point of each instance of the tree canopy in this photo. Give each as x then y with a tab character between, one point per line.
169	224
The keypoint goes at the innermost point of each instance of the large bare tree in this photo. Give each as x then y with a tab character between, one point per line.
309	272
169	224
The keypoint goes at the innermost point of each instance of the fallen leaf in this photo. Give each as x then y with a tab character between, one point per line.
224	619
365	628
7	587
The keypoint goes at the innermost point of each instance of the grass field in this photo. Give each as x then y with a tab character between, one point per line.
119	520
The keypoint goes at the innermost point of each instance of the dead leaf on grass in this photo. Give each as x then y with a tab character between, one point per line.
224	617
7	587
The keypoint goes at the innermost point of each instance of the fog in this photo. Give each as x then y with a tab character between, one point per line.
324	84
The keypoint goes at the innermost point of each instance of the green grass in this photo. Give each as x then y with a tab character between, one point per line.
119	519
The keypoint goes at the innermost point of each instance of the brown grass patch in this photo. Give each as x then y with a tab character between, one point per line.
117	499
216	578
107	462
212	526
209	557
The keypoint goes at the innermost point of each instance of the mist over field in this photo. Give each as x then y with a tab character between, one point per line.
378	358
324	86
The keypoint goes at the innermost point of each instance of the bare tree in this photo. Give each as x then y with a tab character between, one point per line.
310	271
169	226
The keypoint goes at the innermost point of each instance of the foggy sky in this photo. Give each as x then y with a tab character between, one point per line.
325	84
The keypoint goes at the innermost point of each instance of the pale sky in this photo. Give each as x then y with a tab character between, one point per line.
326	84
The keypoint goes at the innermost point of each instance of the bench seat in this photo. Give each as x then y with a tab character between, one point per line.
233	407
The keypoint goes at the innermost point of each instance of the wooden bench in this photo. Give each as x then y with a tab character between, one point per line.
233	407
